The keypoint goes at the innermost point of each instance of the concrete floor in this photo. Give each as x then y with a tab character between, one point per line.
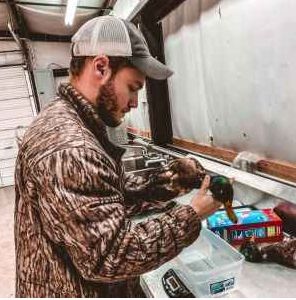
7	258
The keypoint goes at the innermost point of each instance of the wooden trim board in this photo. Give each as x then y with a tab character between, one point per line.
277	168
281	169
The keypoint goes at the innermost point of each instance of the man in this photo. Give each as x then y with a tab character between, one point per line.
72	234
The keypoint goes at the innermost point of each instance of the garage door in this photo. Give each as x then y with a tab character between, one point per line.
17	110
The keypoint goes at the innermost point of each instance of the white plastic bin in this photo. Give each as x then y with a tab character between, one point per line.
210	265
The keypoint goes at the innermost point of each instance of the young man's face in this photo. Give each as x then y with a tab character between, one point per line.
119	95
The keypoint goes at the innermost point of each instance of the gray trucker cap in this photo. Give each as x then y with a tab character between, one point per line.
113	36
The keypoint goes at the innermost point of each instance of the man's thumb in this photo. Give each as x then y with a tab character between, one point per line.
205	184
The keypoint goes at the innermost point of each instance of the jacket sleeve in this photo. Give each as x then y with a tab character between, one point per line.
83	212
151	191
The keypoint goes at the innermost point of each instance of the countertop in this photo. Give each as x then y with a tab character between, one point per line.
259	280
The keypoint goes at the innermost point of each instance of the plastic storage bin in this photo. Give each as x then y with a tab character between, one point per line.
210	265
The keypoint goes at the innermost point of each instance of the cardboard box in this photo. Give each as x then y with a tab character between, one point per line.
264	224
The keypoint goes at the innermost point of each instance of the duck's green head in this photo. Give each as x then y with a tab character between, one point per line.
222	191
221	188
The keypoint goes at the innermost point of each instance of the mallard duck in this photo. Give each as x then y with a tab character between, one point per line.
283	253
189	173
179	177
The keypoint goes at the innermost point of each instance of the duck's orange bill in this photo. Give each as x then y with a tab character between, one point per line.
230	212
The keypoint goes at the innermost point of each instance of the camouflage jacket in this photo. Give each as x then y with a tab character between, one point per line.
73	237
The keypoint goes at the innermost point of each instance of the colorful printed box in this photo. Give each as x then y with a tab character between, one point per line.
264	224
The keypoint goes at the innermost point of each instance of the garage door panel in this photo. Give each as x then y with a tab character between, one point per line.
11	124
14	103
19	81
18	92
15	86
8	143
7	163
11	72
8	153
10	134
7	172
6	181
22	112
17	111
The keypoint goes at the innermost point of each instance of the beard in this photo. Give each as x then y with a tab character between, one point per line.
107	105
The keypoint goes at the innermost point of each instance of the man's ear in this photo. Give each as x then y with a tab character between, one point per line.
102	69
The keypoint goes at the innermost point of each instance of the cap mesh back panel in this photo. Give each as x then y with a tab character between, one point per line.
102	35
112	31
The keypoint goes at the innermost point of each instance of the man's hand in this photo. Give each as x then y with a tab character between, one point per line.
203	204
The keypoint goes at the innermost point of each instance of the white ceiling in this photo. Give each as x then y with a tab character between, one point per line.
50	19
3	16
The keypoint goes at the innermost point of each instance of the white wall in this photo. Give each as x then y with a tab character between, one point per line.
123	8
59	80
182	40
234	63
50	55
139	118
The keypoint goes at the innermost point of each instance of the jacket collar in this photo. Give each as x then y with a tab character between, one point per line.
87	112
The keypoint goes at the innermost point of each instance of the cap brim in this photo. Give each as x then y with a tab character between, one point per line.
151	67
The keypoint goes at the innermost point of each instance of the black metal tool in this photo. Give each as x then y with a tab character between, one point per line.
173	285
